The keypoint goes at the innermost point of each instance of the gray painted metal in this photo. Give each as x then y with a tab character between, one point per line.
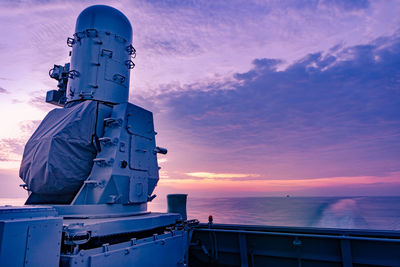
33	236
126	169
176	203
119	225
100	210
159	250
292	246
101	56
25	233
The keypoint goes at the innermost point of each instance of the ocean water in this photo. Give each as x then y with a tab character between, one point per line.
378	213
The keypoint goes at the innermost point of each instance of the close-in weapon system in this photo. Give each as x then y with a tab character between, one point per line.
91	164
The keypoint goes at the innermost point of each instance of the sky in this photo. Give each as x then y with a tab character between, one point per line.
251	98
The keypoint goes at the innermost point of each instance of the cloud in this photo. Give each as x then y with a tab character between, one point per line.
9	187
347	5
211	175
16	101
11	149
3	90
28	127
162	160
38	100
171	46
333	113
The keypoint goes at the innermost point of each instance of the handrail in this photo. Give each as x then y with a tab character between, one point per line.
300	234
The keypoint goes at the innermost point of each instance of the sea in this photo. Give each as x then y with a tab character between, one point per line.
376	213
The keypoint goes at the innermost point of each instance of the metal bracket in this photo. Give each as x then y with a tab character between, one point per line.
73	74
106	248
120	38
83	94
160	150
102	162
95	183
70	41
119	78
112	199
79	36
112	122
76	234
24	186
297	242
150	198
131	51
106	53
129	64
91	33
107	141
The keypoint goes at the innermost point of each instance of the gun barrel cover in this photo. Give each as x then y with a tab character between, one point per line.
59	155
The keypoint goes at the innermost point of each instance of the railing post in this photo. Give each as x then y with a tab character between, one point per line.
244	260
346	253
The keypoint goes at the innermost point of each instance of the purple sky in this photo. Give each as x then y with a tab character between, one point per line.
250	97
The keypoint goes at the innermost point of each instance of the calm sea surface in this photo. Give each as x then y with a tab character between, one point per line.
381	213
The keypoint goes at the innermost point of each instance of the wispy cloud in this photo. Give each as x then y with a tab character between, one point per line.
3	90
162	160
211	175
346	5
11	149
37	100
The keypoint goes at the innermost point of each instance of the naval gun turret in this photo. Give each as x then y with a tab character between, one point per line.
91	165
97	148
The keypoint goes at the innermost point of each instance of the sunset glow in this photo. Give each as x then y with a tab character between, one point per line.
211	175
276	185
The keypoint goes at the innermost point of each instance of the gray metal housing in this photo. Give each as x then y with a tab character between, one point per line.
101	56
